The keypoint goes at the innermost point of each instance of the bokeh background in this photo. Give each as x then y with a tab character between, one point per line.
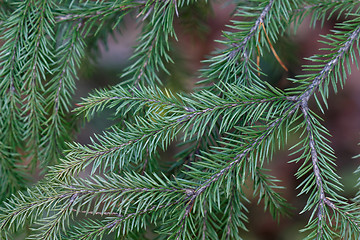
197	29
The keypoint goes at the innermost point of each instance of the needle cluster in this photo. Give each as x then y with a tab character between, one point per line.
229	128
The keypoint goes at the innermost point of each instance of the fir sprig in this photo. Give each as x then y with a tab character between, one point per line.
35	64
231	130
236	63
59	91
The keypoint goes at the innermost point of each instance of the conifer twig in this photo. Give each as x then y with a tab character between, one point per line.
241	46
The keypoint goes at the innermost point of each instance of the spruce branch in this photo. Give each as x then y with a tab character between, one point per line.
234	217
316	170
98	193
36	61
321	11
10	99
265	186
326	70
230	130
297	102
97	11
246	149
302	99
126	146
236	63
154	39
219	174
241	47
12	177
130	100
59	92
112	224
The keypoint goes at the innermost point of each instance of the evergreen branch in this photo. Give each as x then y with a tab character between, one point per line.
183	221
130	100
9	85
118	147
146	61
50	226
246	150
37	62
126	146
153	47
29	207
59	90
97	11
91	193
234	128
321	11
234	216
347	214
90	233
316	170
11	174
322	177
322	180
303	99
326	70
330	71
240	158
241	47
235	64
11	124
265	186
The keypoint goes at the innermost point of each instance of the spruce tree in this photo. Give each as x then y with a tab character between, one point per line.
228	128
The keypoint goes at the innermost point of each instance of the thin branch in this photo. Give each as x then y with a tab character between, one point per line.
97	213
171	124
51	225
61	77
33	108
114	9
147	59
32	205
244	153
128	216
189	207
228	229
298	101
73	193
316	170
241	46
215	177
228	105
350	218
319	5
324	73
102	100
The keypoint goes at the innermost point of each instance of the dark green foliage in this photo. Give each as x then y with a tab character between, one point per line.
228	129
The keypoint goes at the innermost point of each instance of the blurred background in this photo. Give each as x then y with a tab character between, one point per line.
196	41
